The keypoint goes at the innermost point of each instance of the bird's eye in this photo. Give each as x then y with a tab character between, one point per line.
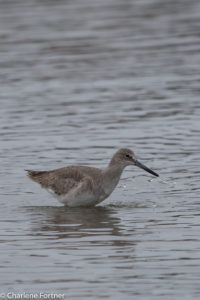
128	156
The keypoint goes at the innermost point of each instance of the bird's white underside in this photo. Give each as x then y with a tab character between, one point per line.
83	199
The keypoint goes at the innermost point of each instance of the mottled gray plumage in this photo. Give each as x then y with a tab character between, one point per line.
85	186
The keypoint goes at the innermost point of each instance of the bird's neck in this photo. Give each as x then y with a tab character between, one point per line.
111	177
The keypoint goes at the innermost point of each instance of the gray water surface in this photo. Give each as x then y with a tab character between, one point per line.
80	79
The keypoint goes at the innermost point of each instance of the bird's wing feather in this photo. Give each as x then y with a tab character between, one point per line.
62	186
60	181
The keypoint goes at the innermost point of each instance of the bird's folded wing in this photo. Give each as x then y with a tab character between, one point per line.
60	182
62	186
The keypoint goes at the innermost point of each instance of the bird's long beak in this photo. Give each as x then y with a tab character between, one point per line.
138	164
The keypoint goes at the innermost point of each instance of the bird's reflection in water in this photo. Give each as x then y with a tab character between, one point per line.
61	222
81	229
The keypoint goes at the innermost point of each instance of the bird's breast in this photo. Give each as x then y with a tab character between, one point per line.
110	185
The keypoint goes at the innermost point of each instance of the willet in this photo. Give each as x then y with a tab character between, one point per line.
86	186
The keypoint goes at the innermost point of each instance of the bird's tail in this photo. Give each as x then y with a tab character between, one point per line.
34	175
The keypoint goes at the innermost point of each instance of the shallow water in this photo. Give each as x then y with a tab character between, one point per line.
80	79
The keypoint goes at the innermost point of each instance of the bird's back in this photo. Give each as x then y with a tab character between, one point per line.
63	179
